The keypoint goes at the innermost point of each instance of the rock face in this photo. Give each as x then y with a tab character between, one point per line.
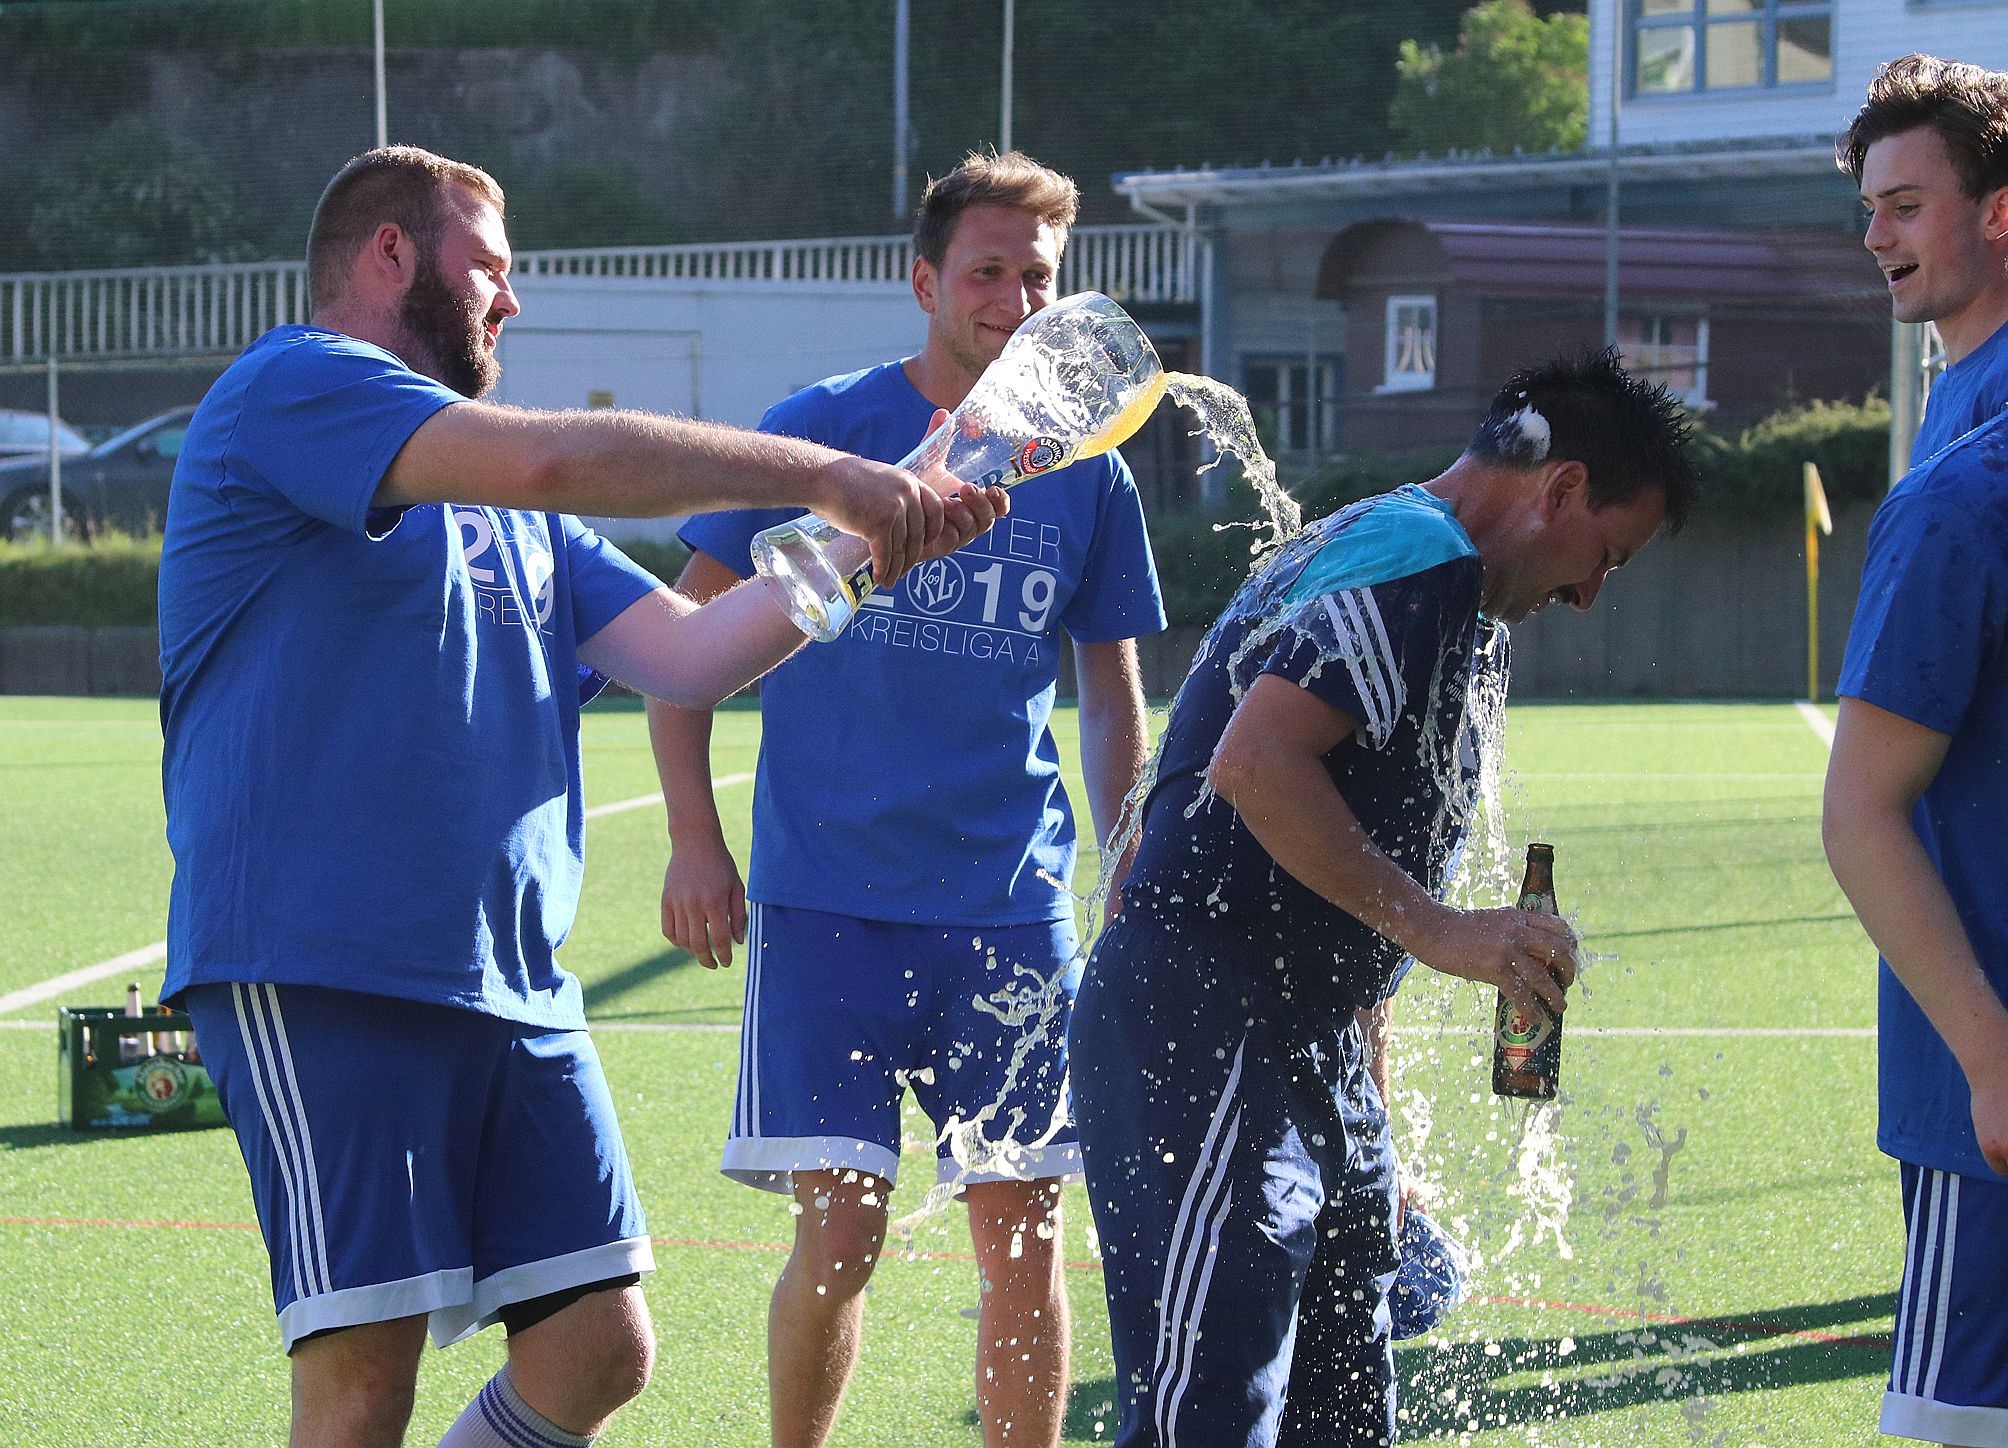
276	123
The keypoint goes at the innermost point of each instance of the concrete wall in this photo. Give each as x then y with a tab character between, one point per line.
720	350
1719	610
62	659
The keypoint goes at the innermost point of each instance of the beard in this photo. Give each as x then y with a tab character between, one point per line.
447	333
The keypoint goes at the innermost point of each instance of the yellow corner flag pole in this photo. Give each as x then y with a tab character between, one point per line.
1818	521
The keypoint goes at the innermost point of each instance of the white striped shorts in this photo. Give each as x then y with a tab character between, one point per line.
1949	1368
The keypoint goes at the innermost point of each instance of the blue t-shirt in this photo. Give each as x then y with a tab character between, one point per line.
1930	643
1374	610
371	715
906	769
1970	392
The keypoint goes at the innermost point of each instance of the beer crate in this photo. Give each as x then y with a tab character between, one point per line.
116	1072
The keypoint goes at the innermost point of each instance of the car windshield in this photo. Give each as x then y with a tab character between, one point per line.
30	430
176	423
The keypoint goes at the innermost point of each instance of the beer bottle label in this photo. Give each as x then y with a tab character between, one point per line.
1519	1038
1038	455
858	584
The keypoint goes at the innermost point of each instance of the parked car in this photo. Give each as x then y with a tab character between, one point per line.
119	484
26	434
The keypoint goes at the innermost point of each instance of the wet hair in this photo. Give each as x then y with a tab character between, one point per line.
984	178
1630	435
400	184
1966	104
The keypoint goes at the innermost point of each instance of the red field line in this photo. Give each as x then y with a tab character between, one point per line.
1751	1327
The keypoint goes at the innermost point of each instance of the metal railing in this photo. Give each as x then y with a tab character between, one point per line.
147	311
217	310
835	259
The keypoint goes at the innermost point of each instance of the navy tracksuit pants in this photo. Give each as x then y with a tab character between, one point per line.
1243	1187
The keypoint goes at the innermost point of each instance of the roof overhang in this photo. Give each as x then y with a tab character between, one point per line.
1357	180
1548	261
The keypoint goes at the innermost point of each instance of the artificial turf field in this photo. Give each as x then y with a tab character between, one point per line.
1725	1273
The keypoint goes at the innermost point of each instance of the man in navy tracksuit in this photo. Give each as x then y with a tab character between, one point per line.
1316	778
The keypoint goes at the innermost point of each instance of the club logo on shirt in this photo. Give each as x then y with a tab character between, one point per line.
509	563
937	586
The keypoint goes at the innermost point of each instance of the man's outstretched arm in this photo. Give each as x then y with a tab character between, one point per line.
636	464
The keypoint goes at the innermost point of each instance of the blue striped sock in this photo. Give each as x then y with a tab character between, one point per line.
499	1418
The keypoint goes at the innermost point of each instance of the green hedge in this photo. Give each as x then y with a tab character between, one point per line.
113	580
108	582
1751	474
1756	473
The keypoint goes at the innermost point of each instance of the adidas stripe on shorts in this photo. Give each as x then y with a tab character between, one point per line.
409	1158
1948	1379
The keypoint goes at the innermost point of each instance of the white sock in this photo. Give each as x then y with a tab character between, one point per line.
499	1418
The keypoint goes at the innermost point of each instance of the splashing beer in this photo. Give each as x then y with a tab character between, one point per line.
1527	1055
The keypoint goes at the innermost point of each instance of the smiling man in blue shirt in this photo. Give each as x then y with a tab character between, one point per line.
1929	149
913	844
1915	786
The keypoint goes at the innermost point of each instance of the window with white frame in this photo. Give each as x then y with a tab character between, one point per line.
1411	344
1296	410
1668	348
1683	46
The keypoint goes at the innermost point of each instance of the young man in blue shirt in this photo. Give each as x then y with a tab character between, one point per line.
1316	779
1929	149
1915	783
378	623
1916	790
912	843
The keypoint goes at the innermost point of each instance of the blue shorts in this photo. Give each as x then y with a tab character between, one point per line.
409	1158
1948	1377
843	1015
1243	1186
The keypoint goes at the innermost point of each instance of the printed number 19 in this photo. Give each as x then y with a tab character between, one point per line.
1036	593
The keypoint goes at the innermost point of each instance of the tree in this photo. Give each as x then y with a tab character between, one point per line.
1514	81
133	196
585	205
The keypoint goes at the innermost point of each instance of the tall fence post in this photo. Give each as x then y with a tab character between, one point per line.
55	457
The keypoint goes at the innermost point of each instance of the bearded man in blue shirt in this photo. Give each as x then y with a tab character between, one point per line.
379	620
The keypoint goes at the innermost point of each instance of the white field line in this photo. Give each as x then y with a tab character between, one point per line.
56	985
152	954
1672	776
643	801
1819	723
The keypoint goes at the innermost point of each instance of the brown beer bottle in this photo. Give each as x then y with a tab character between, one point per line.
1527	1055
